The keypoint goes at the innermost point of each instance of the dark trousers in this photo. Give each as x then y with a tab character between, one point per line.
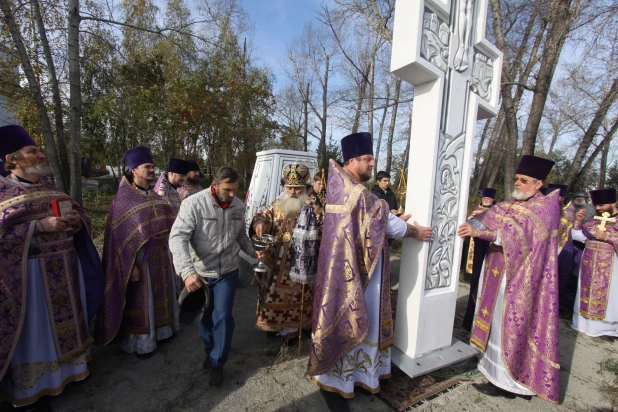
217	325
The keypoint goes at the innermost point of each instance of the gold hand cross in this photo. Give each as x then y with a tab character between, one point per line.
604	219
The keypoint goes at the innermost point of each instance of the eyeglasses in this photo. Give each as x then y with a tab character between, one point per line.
524	180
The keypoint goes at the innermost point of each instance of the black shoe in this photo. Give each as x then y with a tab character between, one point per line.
144	355
216	376
271	335
492	390
206	366
335	402
608	339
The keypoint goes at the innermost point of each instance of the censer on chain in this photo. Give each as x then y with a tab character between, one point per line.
402	188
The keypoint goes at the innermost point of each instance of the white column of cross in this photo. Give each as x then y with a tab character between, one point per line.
439	46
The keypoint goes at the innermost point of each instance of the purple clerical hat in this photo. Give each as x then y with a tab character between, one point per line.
178	166
488	192
12	138
555	186
137	156
193	166
355	145
603	196
535	167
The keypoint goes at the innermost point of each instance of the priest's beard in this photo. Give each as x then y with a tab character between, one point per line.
579	202
519	195
291	206
41	169
193	180
487	204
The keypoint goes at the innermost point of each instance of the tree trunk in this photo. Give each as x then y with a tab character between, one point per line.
381	130
593	128
75	101
391	130
490	153
362	91
603	168
506	90
53	80
479	150
372	76
322	160
559	28
35	90
306	114
494	174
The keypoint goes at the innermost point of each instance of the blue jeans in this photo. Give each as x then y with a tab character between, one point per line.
217	325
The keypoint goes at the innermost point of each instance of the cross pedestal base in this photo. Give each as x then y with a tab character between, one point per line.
432	361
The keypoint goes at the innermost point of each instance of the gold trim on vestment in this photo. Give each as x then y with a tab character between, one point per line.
350	395
45	392
26	197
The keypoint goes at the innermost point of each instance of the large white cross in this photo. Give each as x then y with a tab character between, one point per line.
439	46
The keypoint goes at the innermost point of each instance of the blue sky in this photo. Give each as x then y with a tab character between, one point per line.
276	23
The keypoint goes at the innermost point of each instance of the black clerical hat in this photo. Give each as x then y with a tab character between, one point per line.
355	145
137	156
178	166
12	138
603	196
488	192
535	167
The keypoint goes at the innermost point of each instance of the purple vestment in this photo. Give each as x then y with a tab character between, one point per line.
354	237
135	221
168	192
596	271
20	207
528	259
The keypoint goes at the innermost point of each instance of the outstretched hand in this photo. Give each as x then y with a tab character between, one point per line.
423	232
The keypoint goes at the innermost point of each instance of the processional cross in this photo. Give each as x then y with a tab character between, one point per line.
439	46
604	218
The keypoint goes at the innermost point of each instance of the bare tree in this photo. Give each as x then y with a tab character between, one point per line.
35	91
313	58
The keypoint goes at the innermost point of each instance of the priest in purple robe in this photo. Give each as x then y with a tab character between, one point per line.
51	276
569	254
476	255
169	182
191	184
596	304
352	329
140	295
516	322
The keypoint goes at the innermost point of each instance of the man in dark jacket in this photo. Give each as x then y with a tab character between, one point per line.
383	191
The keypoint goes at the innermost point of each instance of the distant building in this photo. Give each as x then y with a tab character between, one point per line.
6	114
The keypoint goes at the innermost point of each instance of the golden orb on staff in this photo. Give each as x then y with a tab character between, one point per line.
402	189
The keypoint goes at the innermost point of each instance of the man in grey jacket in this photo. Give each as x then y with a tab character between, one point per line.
205	241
